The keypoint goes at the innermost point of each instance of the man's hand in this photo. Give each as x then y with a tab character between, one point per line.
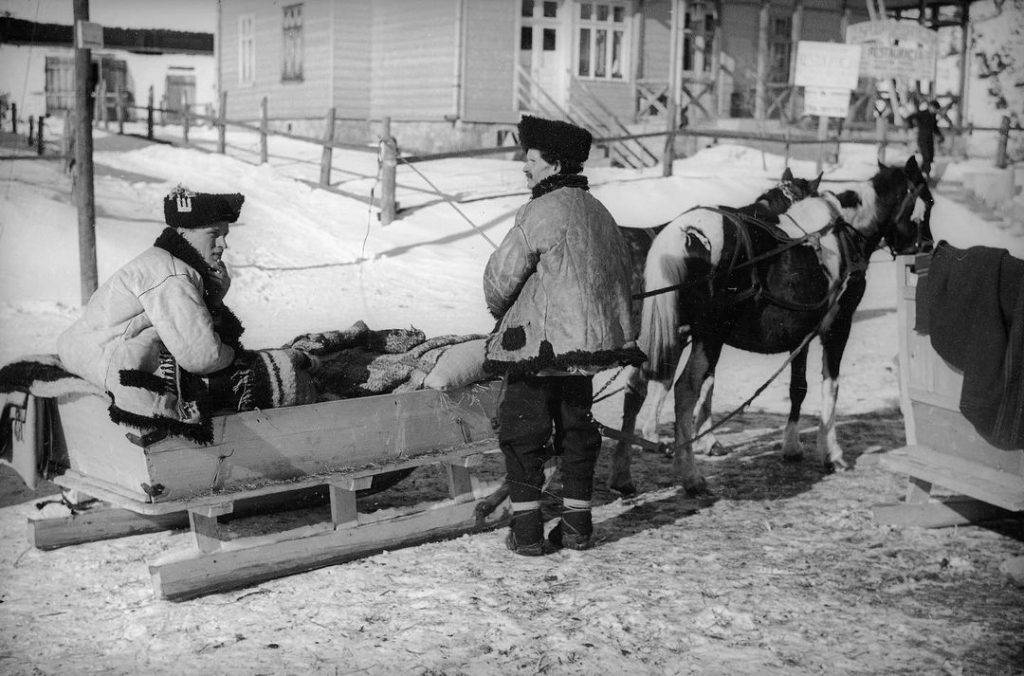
220	282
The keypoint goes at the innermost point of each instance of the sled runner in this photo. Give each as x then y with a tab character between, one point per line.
260	459
954	475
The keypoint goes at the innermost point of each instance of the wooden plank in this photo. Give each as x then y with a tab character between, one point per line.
205	531
343	506
460	483
183	575
969	478
939	514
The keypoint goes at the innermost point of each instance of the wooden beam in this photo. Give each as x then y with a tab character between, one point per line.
939	514
245	561
762	60
794	39
965	33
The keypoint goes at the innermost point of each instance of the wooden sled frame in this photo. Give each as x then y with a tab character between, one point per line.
215	564
944	453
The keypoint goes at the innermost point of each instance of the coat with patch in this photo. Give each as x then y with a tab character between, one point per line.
559	284
144	326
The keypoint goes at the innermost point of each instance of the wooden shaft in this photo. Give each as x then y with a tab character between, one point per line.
83	180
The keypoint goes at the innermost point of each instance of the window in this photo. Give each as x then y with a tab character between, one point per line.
246	49
698	39
291	69
603	41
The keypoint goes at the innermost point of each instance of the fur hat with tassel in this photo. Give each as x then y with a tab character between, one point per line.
184	208
563	140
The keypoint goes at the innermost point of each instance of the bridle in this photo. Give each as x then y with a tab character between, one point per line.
905	211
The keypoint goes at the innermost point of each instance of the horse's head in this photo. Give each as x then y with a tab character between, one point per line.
904	207
789	190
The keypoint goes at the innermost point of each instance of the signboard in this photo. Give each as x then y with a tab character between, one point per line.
827	64
891	49
88	35
828	102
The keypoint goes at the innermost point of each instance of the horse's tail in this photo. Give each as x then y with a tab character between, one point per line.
659	319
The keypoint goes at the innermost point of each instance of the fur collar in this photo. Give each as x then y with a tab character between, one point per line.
225	323
546	185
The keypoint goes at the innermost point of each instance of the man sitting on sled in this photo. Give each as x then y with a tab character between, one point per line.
156	335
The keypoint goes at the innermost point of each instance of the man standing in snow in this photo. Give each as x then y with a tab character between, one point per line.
927	123
559	285
160	318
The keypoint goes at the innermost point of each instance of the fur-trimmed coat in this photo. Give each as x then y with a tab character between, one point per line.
144	326
559	284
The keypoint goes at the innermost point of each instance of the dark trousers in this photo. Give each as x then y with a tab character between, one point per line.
530	408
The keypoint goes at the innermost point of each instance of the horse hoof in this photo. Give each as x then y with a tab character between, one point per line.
717	450
626	490
696	488
792	458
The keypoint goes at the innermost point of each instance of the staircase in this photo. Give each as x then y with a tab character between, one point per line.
591	114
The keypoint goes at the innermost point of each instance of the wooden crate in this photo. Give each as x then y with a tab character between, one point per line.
943	449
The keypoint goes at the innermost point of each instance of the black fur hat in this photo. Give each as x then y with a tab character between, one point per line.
186	209
561	139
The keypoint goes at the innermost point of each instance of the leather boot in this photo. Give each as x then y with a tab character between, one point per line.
574	531
526	534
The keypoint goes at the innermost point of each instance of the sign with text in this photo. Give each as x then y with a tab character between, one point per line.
826	101
88	35
827	64
892	49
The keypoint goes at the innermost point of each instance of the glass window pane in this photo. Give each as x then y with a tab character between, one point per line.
526	38
618	14
549	39
602	12
584	68
688	52
586	10
527	8
617	54
601	54
550	9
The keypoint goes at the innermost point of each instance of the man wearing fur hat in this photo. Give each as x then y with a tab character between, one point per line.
559	285
159	323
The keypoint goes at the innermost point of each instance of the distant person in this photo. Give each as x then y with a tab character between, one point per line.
160	315
927	123
559	285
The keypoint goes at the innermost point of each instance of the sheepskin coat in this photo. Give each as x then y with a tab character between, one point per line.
144	326
559	284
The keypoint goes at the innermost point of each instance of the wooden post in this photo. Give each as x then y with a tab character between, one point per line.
222	125
149	114
794	37
822	137
39	135
14	118
1004	136
263	130
762	61
786	132
185	110
669	155
389	169
120	111
327	154
83	179
881	133
102	98
31	130
965	33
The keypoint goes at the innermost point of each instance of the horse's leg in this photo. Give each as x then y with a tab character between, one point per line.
791	450
621	480
708	444
833	343
687	391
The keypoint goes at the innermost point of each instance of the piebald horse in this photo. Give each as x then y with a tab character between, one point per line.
767	206
768	287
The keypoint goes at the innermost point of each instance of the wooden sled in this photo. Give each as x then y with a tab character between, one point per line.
955	477
262	459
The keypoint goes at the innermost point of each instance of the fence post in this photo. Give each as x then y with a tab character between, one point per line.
263	130
882	134
39	135
669	155
14	118
327	154
786	164
103	104
149	114
1004	136
822	138
31	130
389	167
222	126
120	111
185	110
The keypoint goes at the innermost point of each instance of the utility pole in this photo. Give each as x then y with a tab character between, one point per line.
85	198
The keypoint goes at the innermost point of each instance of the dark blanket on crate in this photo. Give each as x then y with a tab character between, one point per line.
973	302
